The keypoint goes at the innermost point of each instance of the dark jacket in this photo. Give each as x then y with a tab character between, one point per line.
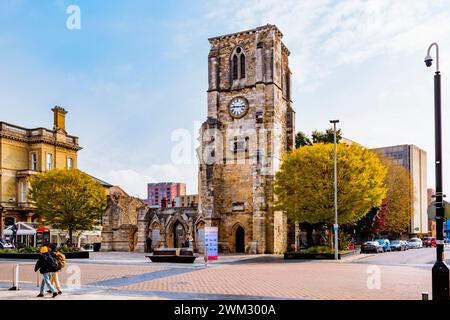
44	263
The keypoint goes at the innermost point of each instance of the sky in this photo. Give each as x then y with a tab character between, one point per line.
134	75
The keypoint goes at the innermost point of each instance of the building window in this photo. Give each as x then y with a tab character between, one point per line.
23	191
49	165
235	67
242	66
69	163
33	161
238	64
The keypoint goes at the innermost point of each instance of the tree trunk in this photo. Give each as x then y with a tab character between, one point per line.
309	237
70	235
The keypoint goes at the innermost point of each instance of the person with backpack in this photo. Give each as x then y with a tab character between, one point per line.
61	259
46	264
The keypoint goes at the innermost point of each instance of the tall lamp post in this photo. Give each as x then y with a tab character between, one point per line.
336	226
440	273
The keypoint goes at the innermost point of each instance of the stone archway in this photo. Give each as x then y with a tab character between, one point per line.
179	235
239	239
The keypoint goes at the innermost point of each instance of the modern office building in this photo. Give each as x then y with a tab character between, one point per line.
414	160
156	192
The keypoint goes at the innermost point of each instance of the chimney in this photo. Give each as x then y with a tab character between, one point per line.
164	202
59	118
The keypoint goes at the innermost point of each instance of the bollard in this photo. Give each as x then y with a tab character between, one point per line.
15	278
37	279
425	295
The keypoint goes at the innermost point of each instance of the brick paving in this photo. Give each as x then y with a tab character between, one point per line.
89	272
296	280
236	278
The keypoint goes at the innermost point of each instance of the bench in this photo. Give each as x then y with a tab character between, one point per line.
179	255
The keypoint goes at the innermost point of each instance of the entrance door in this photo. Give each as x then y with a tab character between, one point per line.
240	240
178	236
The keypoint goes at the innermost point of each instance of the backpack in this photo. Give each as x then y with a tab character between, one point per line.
52	263
61	259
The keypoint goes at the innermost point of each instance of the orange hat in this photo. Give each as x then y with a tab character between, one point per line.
44	249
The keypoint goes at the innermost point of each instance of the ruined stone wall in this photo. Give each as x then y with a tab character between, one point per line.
120	221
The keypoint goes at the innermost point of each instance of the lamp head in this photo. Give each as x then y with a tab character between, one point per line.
428	60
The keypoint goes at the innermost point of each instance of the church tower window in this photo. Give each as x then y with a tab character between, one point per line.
238	64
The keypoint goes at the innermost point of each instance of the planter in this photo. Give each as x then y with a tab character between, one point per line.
35	256
316	256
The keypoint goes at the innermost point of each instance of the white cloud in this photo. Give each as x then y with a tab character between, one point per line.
326	34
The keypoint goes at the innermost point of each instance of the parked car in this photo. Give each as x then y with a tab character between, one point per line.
385	244
406	244
5	244
429	242
415	243
88	247
371	246
398	245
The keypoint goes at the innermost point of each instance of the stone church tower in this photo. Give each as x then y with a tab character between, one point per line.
250	125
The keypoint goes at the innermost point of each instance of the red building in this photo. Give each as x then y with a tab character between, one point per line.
156	192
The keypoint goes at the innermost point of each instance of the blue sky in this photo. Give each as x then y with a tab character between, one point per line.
137	70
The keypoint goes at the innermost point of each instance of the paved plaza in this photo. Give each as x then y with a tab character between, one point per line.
396	275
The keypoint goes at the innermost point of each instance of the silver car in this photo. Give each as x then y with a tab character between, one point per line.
415	243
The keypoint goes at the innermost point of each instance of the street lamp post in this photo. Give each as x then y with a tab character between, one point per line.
440	272
336	226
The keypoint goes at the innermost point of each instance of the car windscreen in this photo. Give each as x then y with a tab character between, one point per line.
414	240
395	242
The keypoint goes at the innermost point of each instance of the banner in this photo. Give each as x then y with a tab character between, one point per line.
211	242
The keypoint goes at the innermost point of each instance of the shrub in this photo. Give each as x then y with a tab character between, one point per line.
344	240
67	249
318	249
28	249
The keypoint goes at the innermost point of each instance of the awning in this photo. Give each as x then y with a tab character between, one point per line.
23	229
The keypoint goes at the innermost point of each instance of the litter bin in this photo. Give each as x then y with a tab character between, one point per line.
97	246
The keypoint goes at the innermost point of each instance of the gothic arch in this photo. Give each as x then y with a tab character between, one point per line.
238	63
238	235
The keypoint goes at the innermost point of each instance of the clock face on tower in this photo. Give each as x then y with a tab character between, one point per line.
238	107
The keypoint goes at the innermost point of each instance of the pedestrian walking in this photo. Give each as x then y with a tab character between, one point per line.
61	260
46	264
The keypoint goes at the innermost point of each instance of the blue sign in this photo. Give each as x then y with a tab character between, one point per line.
211	242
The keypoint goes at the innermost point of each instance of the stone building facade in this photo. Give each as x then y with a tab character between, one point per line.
25	153
249	127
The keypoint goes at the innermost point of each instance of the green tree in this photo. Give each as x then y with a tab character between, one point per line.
304	184
327	136
68	199
301	139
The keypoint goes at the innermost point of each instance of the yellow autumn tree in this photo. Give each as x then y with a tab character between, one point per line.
304	184
398	199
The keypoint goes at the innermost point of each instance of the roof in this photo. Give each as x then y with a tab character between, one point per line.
103	183
267	26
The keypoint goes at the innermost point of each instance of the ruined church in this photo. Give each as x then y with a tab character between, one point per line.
249	127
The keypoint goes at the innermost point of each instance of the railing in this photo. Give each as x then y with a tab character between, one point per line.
14	129
34	133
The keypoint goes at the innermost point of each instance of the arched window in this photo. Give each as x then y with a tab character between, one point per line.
242	66
235	67
238	64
